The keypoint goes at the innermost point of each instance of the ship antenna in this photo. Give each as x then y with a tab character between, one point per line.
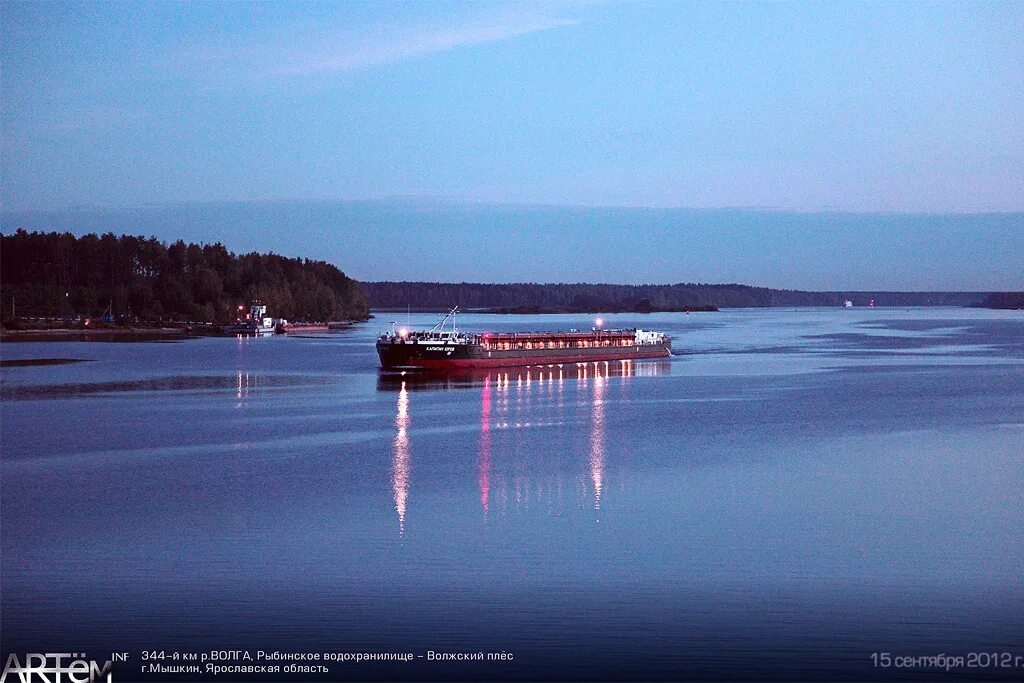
440	326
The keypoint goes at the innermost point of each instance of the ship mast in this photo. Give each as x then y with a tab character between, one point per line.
439	327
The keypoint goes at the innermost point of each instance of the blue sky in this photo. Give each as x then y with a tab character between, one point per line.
905	108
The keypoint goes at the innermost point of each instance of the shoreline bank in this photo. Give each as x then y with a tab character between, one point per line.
117	331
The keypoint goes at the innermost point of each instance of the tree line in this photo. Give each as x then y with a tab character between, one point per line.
1008	300
641	298
133	278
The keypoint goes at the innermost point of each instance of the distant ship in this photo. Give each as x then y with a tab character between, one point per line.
848	304
255	323
441	349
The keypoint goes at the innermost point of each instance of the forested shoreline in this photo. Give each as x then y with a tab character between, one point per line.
128	279
522	297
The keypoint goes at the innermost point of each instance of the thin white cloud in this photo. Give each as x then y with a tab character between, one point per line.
382	45
310	51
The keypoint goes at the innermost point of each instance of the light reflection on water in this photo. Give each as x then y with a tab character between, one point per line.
597	435
241	382
484	466
522	379
400	460
533	387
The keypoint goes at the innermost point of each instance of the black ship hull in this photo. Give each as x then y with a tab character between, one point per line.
437	356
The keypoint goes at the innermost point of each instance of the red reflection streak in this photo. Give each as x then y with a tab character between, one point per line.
400	458
597	435
484	468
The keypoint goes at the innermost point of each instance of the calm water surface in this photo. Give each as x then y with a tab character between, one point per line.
790	493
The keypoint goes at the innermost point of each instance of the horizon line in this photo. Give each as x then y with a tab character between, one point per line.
454	202
691	284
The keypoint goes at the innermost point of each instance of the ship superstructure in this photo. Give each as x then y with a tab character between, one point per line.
255	323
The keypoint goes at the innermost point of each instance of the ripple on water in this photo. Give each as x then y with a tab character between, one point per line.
168	383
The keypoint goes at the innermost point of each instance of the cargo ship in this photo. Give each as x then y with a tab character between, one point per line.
446	349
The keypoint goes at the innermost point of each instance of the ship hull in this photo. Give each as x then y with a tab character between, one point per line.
458	356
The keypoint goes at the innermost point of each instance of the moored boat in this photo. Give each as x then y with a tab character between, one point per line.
255	322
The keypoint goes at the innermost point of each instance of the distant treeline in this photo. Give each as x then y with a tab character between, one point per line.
59	275
1011	300
604	297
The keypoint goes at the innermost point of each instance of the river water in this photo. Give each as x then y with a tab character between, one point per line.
792	494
